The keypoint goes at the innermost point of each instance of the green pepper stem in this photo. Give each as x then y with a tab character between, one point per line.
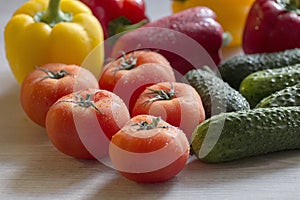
227	38
122	24
53	15
133	26
295	2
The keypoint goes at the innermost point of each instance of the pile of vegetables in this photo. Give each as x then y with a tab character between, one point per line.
158	100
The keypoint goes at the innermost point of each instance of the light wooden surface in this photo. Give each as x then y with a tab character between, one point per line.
30	167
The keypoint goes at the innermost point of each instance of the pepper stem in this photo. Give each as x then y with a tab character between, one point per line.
53	15
296	3
122	24
290	5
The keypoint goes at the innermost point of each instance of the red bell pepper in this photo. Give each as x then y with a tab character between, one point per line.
272	25
117	16
188	39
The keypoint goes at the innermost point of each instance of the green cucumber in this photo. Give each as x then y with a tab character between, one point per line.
235	69
236	135
261	84
216	95
289	96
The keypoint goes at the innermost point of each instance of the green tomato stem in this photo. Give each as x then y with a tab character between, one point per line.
54	75
84	102
143	125
160	95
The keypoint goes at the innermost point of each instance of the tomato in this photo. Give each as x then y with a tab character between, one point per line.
129	75
177	103
81	124
46	84
148	149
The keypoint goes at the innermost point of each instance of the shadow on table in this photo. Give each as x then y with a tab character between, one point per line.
197	176
121	188
234	171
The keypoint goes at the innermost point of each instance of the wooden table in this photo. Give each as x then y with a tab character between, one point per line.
31	168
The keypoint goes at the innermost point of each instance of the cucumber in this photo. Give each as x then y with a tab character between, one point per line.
289	96
261	84
235	69
216	95
236	135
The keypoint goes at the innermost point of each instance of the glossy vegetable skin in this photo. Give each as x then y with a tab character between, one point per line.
231	14
176	103
59	32
43	86
118	15
271	26
129	75
82	123
188	39
149	150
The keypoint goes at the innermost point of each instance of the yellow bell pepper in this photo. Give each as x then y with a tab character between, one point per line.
43	31
231	14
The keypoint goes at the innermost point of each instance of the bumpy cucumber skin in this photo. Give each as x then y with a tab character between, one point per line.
217	96
289	96
250	133
261	84
234	70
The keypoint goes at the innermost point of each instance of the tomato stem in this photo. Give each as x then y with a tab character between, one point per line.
161	94
126	64
54	75
129	63
144	125
84	102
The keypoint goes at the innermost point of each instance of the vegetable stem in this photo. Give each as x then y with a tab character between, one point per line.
296	3
54	75
84	102
122	24
161	94
144	125
53	15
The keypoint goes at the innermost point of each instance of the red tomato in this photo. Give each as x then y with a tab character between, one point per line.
81	124
177	103
129	75
148	149
45	85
